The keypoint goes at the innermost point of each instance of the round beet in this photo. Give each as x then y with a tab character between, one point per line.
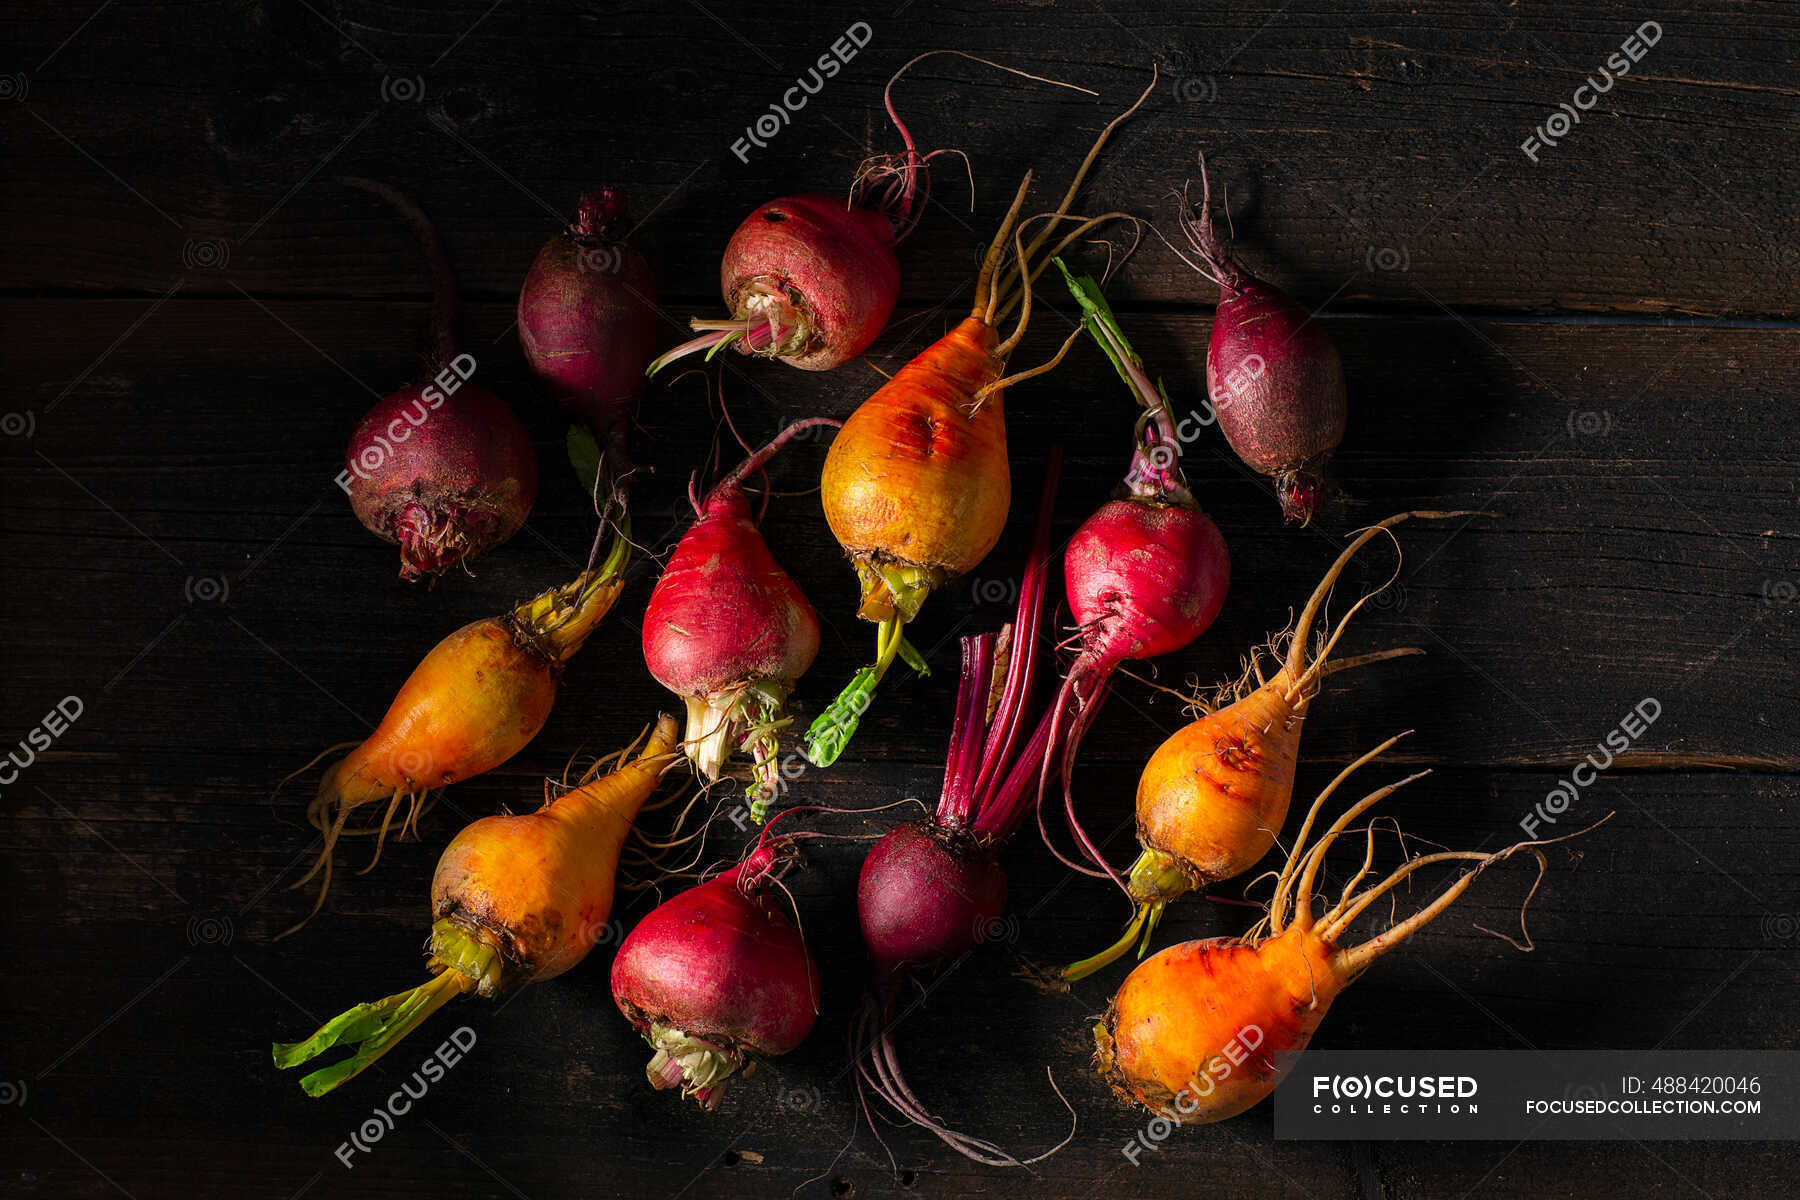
445	475
1272	373
819	272
442	467
927	894
715	974
587	316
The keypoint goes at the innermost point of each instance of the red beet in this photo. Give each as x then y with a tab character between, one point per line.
812	279
1272	373
1145	575
927	894
930	892
730	632
446	475
441	467
587	316
715	974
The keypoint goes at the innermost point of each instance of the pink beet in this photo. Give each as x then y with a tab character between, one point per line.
442	467
717	974
587	316
730	632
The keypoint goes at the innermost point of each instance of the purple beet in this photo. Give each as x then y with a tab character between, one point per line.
1272	374
587	316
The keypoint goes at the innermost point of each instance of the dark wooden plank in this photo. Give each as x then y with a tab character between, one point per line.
1646	546
162	914
1373	153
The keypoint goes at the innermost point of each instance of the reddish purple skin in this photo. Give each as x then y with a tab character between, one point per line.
719	965
1287	418
925	896
835	259
446	483
724	611
588	324
1145	579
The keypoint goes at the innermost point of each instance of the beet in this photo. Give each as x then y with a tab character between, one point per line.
823	270
1144	578
1272	373
730	632
717	974
932	891
587	316
927	894
447	482
442	467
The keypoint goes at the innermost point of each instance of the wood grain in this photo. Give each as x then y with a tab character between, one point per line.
1372	153
1599	346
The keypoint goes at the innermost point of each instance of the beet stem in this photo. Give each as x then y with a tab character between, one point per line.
443	279
760	459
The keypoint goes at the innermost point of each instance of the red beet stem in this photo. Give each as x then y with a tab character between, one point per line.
760	459
600	214
443	279
981	749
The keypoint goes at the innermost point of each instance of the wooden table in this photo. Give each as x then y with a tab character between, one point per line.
1595	339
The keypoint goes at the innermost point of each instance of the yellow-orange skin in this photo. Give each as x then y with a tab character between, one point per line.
472	703
1204	1030
539	886
1216	792
913	477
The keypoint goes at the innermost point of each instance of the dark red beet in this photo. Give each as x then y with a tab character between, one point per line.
715	974
587	316
1272	373
926	895
447	482
442	467
934	890
730	632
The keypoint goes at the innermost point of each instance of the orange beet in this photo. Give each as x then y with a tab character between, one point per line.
516	900
1214	795
916	486
475	700
1202	1031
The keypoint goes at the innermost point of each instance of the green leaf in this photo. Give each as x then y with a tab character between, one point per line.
584	456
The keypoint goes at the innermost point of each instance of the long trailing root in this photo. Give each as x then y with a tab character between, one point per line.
904	179
1030	253
878	1071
